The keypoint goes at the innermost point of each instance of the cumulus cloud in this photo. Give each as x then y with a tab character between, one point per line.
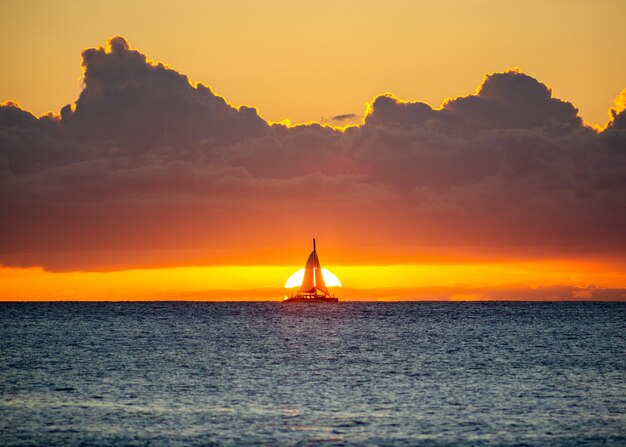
509	100
131	101
618	113
389	111
512	100
146	160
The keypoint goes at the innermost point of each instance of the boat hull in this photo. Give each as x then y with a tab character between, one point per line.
316	299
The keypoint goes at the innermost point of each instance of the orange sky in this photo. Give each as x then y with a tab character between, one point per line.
312	60
405	282
151	187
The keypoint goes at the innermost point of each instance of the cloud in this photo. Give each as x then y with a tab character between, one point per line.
512	100
147	162
618	113
509	100
344	117
389	111
132	101
499	293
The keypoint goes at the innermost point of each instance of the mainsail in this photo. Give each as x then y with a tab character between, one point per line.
313	280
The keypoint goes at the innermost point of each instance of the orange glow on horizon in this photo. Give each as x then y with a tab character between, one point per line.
216	283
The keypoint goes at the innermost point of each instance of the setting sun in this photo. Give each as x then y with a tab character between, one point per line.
295	280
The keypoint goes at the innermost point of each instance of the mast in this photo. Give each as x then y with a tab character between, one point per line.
315	267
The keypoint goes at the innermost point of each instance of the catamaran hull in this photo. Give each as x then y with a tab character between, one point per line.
318	299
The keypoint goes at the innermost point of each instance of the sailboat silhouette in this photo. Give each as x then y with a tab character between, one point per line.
313	288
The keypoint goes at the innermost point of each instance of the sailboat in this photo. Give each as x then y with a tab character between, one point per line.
313	288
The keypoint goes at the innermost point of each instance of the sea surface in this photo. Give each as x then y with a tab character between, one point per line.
238	374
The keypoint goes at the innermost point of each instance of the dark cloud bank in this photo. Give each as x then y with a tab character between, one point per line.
146	162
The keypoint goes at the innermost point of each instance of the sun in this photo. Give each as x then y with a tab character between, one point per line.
296	279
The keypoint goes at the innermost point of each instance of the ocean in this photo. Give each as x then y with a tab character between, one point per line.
379	374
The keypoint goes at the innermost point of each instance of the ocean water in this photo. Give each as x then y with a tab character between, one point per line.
238	374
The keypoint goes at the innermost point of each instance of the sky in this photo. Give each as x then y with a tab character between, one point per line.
436	150
308	61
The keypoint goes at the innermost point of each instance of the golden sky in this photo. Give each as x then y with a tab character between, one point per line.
313	60
405	282
472	170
